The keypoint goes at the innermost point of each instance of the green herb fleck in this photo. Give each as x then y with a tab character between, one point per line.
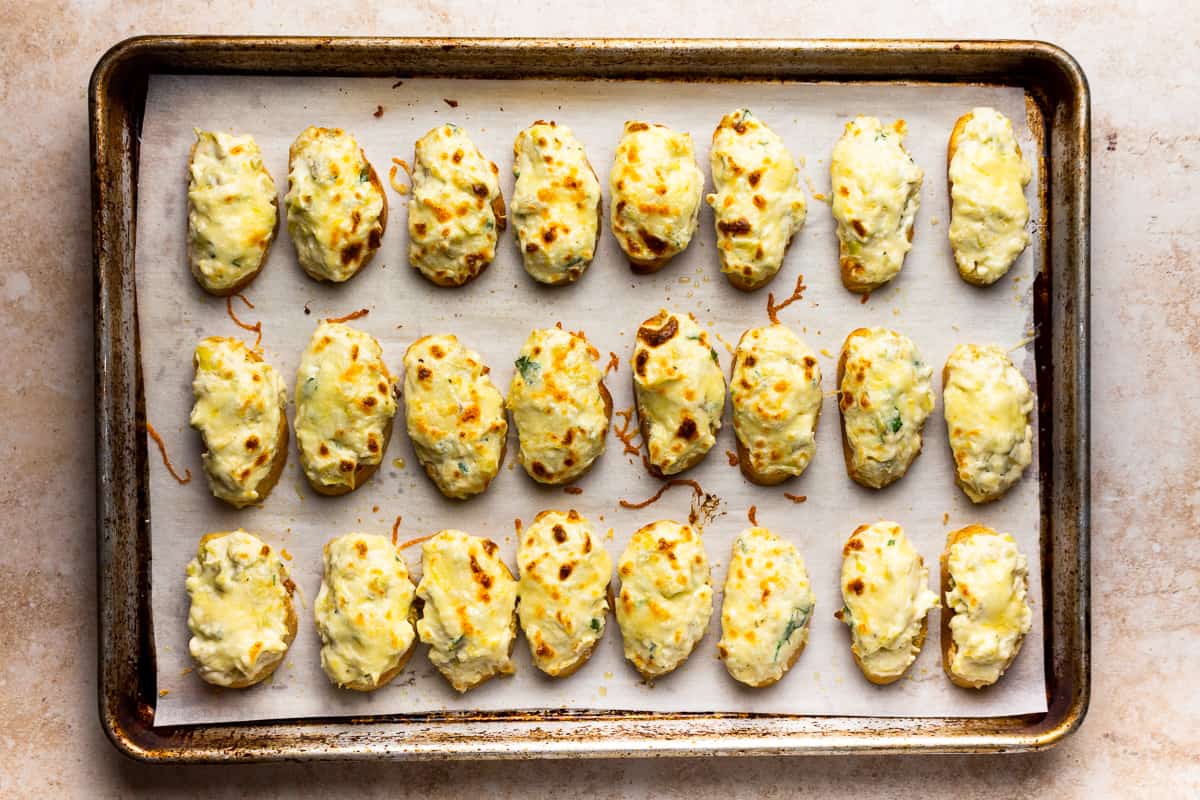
716	360
364	175
457	643
529	369
896	423
891	542
595	624
462	467
795	622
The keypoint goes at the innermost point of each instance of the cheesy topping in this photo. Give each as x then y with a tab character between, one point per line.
679	388
335	212
455	415
345	402
885	589
240	608
563	590
876	194
363	609
988	406
452	227
768	603
776	393
988	210
468	619
666	596
557	406
655	186
556	203
238	410
885	398
989	579
759	204
231	209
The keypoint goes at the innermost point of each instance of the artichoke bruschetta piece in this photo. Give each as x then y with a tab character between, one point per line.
454	415
555	204
241	616
885	600
656	187
876	195
233	211
758	204
988	209
239	411
336	206
345	403
679	391
885	396
456	212
364	612
469	616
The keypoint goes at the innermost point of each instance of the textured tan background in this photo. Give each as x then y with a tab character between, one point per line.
1142	736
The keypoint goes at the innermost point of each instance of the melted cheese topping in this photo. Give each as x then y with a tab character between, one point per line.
238	410
666	596
241	601
679	388
556	203
363	609
655	186
876	194
759	204
989	579
334	210
452	228
563	590
988	209
885	398
885	588
557	406
469	597
344	404
768	603
231	209
776	394
455	415
988	406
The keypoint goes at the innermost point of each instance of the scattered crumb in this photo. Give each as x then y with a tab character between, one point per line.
286	555
946	518
733	458
185	672
863	300
604	691
374	509
398	463
163	692
397	84
449	102
573	490
934	221
608	676
824	351
378	112
795	498
728	346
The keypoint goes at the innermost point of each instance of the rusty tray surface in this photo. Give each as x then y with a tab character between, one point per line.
1059	109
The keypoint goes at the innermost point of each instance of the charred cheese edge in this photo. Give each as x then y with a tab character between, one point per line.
988	209
558	405
886	597
336	209
758	204
775	389
241	616
988	579
232	210
555	204
988	410
679	389
239	412
885	397
364	610
766	609
656	187
452	221
876	195
455	415
468	619
563	590
345	401
665	599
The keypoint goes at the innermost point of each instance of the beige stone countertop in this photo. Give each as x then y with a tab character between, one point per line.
1142	735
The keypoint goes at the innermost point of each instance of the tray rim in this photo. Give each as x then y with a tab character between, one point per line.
126	713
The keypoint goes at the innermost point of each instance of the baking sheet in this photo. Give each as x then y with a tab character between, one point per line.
493	315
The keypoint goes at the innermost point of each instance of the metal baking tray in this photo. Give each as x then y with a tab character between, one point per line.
1059	114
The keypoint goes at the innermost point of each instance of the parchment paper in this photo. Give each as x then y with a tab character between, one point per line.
928	301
